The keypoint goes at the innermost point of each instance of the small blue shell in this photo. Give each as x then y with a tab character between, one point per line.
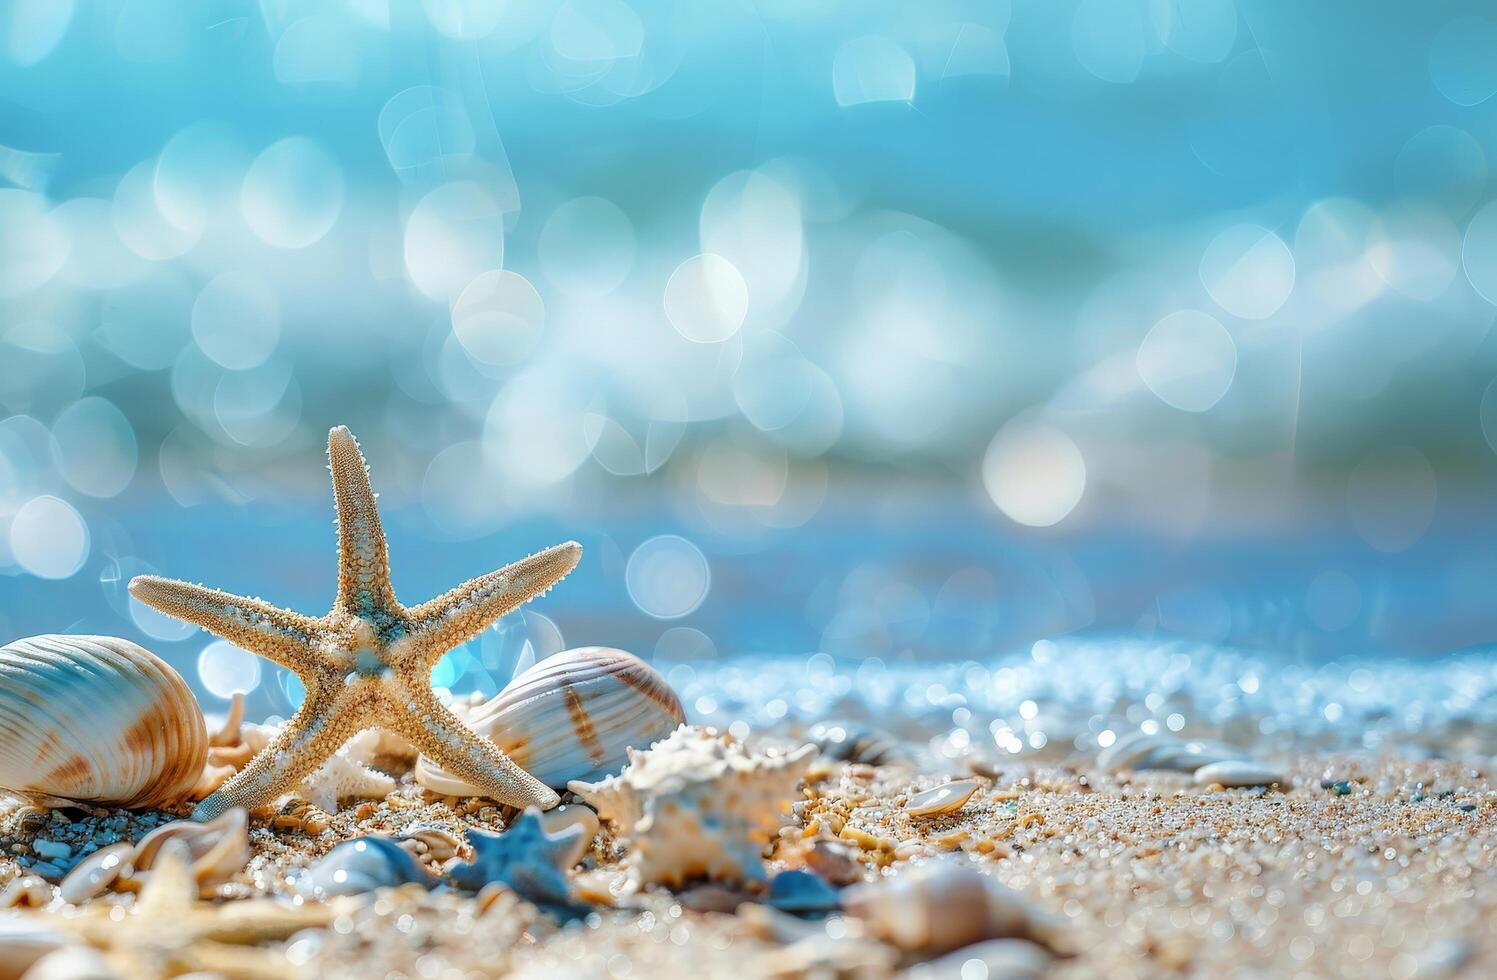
362	865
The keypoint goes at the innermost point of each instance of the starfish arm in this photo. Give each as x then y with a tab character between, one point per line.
315	732
427	723
363	557
458	616
282	637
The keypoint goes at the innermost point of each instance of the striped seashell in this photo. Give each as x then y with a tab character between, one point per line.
572	716
96	719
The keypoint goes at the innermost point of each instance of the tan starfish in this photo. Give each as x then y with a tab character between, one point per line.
170	932
368	662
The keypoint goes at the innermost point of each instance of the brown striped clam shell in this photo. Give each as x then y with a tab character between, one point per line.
96	719
572	716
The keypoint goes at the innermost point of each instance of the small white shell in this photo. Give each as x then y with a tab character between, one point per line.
97	719
1232	773
571	716
945	798
942	906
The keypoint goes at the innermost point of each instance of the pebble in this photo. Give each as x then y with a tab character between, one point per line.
1237	773
801	893
55	850
946	798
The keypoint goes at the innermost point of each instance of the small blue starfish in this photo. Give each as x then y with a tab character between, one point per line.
529	860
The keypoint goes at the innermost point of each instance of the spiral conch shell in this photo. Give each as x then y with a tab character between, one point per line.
96	719
572	716
698	804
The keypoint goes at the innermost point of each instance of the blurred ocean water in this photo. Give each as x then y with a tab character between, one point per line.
898	335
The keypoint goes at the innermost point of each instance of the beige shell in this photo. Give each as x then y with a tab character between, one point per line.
97	719
945	905
698	804
571	716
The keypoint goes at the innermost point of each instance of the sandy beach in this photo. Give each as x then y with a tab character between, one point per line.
1354	866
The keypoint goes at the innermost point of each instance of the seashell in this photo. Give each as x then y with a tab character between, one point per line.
95	873
218	849
97	719
571	716
1138	751
432	841
527	858
558	819
940	906
850	741
27	891
945	798
24	940
362	865
832	861
72	963
801	893
1237	773
698	804
1001	959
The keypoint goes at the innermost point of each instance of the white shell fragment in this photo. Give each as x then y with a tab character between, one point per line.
94	874
1237	773
945	905
946	798
97	719
698	804
1139	751
571	716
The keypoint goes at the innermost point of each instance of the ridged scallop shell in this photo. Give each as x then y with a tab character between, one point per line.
97	719
571	716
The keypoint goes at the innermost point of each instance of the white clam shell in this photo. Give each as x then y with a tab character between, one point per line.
572	716
96	719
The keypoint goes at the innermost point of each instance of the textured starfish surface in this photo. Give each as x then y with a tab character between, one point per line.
368	662
169	932
528	859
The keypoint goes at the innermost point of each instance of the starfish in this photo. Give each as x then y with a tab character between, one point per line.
170	932
528	859
368	662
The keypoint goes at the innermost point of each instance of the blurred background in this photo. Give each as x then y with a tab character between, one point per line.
903	334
